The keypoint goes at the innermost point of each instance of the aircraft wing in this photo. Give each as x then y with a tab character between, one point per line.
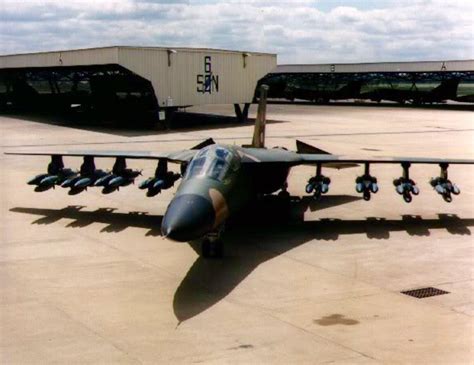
289	158
174	156
180	156
365	184
309	159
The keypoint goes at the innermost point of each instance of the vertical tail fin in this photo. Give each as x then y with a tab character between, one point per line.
258	140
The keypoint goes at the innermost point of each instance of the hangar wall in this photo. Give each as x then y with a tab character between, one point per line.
233	75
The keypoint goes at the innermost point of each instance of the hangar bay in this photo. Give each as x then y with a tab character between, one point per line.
414	82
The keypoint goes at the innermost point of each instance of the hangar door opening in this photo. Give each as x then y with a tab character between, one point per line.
103	90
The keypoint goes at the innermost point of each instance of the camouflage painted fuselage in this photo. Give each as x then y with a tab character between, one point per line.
215	186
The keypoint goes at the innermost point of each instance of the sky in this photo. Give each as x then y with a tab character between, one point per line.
299	31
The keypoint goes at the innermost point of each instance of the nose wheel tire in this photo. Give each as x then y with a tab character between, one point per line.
212	248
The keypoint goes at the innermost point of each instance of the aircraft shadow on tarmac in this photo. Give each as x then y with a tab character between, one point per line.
260	233
182	121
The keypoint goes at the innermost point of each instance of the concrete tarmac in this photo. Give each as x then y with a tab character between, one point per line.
88	279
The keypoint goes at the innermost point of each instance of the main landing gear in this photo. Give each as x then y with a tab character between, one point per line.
284	194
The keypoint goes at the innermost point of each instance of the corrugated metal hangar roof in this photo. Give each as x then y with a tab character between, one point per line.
96	55
418	66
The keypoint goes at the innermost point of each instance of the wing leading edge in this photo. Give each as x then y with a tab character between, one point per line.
182	156
284	157
335	159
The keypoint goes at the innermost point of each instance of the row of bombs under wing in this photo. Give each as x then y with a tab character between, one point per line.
111	180
404	185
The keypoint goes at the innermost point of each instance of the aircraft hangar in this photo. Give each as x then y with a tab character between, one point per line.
415	82
131	79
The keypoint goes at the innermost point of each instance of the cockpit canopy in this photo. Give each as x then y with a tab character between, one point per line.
214	162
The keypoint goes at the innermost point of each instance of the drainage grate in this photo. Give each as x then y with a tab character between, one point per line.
425	292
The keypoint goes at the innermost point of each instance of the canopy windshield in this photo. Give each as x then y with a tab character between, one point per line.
214	162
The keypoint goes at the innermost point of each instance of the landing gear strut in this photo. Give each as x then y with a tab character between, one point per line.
212	245
212	249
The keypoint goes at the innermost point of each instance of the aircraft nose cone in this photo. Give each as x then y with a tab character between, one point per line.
188	217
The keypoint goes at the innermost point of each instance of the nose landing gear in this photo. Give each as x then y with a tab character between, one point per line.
212	245
212	248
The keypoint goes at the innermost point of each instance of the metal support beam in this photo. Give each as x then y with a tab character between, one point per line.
242	114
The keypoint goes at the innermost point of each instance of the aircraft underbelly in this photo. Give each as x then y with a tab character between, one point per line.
268	179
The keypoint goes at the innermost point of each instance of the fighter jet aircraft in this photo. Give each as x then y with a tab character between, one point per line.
218	180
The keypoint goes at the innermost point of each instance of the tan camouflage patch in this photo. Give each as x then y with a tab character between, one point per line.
220	206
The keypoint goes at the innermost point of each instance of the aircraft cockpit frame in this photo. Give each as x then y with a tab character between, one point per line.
215	162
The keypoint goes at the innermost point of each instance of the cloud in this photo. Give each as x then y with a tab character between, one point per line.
301	31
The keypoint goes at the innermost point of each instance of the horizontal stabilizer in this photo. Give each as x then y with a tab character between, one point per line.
302	147
203	144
